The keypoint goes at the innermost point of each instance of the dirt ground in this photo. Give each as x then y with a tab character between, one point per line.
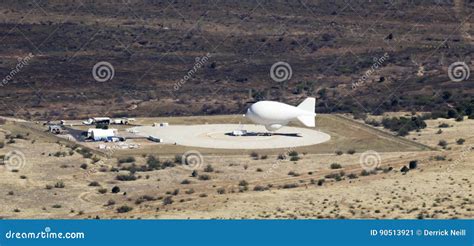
51	182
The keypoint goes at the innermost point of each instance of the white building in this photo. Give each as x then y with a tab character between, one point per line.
101	134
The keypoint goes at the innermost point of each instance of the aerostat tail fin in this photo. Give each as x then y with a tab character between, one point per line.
308	104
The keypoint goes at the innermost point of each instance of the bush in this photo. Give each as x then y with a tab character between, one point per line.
221	191
290	186
443	125
2	144
185	182
321	182
293	173
335	166
153	163
209	169
295	158
168	200
413	164
204	177
339	152
129	159
263	157
94	183
443	143
115	189
59	184
404	169
254	155
259	188
178	159
126	177
84	166
281	157
351	151
460	141
293	153
124	209
102	190
352	176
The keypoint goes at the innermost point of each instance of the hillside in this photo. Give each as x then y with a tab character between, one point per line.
212	57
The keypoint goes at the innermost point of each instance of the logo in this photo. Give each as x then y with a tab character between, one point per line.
192	160
103	71
14	160
370	160
458	71
281	71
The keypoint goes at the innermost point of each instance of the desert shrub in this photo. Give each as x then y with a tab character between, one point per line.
259	188
94	183
204	177
413	164
339	152
59	184
178	159
335	166
209	169
281	157
254	155
153	163
110	202
351	151
404	169
129	159
168	200
440	158
221	191
190	191
263	157
126	177
259	170
175	192
56	206
460	141
352	176
83	166
102	190
404	125
243	183
293	173
185	182
124	209
364	173
115	189
290	186
293	153
295	158
321	182
2	144
443	143
443	125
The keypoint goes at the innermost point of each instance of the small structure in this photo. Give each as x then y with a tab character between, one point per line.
155	139
122	121
239	132
97	120
97	134
164	124
55	129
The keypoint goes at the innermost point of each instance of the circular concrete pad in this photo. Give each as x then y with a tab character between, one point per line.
218	136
